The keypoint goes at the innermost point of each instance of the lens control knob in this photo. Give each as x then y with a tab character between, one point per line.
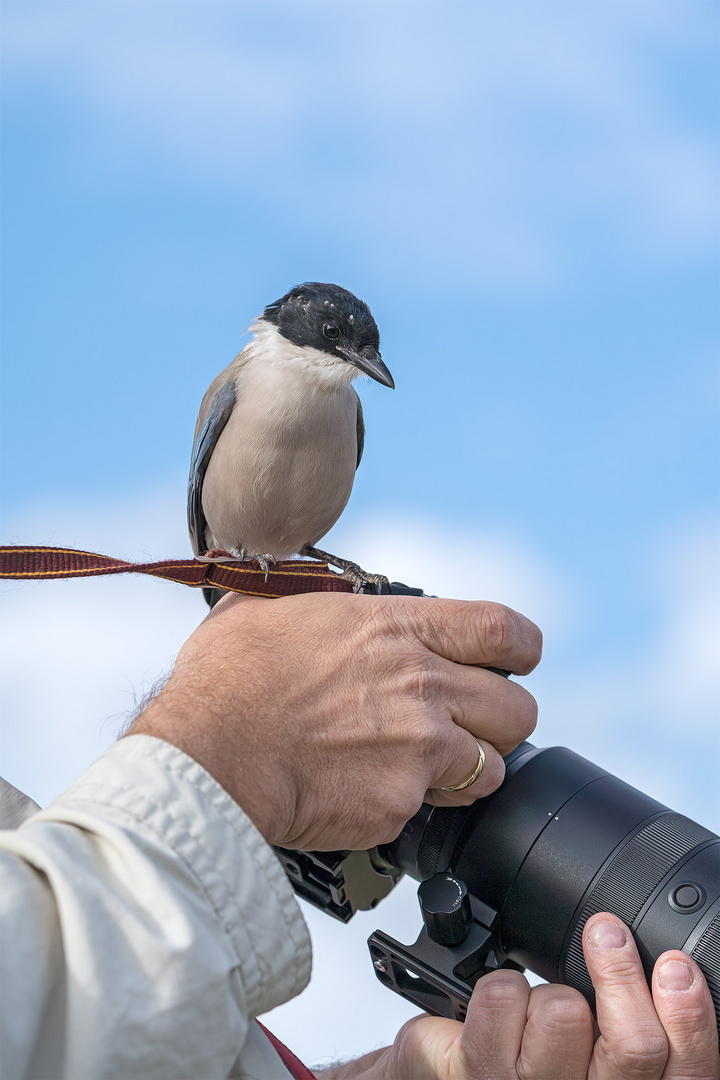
445	907
687	897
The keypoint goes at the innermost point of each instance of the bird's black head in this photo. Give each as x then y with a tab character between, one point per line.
333	320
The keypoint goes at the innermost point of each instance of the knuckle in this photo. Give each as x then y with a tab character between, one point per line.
686	1022
491	777
499	626
500	993
424	743
638	1054
618	969
422	682
496	774
527	712
398	807
389	830
370	628
561	1013
535	646
374	620
511	638
519	711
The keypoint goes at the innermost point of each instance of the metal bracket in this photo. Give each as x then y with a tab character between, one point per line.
440	978
338	882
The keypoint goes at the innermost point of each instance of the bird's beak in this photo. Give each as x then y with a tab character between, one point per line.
369	361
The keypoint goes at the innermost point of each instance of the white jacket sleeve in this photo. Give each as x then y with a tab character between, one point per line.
146	923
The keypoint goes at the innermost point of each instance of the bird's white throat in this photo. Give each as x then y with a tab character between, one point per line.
269	347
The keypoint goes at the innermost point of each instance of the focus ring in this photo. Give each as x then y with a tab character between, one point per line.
438	837
629	880
706	954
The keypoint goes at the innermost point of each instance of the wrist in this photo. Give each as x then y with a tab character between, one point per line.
257	786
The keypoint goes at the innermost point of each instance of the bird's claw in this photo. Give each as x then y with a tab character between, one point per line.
350	570
359	578
265	559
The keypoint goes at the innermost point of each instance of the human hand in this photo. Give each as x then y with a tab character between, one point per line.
330	717
513	1032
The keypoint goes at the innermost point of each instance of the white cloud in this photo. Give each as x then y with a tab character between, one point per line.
687	572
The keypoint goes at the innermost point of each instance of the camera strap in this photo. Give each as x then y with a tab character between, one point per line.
217	569
294	1065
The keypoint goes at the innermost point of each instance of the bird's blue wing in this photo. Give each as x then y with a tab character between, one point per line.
218	415
360	432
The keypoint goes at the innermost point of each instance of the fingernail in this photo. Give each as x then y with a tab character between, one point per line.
607	935
675	976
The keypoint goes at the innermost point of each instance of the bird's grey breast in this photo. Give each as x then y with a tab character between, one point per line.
283	467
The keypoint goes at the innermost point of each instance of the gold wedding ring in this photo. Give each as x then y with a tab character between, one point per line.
473	778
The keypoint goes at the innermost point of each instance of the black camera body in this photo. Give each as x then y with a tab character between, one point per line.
510	881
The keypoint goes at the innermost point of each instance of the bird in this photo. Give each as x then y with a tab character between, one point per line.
280	432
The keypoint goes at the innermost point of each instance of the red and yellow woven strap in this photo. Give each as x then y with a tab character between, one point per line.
285	579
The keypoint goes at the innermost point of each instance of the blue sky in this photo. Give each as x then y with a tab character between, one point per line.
526	194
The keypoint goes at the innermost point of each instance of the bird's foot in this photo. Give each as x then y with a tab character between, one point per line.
360	578
265	559
350	570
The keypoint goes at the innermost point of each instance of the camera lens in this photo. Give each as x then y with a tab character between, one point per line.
563	839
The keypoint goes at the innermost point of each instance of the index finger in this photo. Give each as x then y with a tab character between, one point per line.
474	632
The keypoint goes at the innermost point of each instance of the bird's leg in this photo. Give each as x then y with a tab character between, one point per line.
351	570
239	553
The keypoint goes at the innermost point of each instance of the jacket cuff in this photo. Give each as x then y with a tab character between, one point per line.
167	793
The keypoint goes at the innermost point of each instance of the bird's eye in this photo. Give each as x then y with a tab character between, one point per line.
330	330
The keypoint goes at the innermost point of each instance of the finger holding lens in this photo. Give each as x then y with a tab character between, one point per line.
490	706
475	770
686	1011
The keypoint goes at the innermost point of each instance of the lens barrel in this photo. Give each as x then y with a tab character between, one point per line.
562	839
